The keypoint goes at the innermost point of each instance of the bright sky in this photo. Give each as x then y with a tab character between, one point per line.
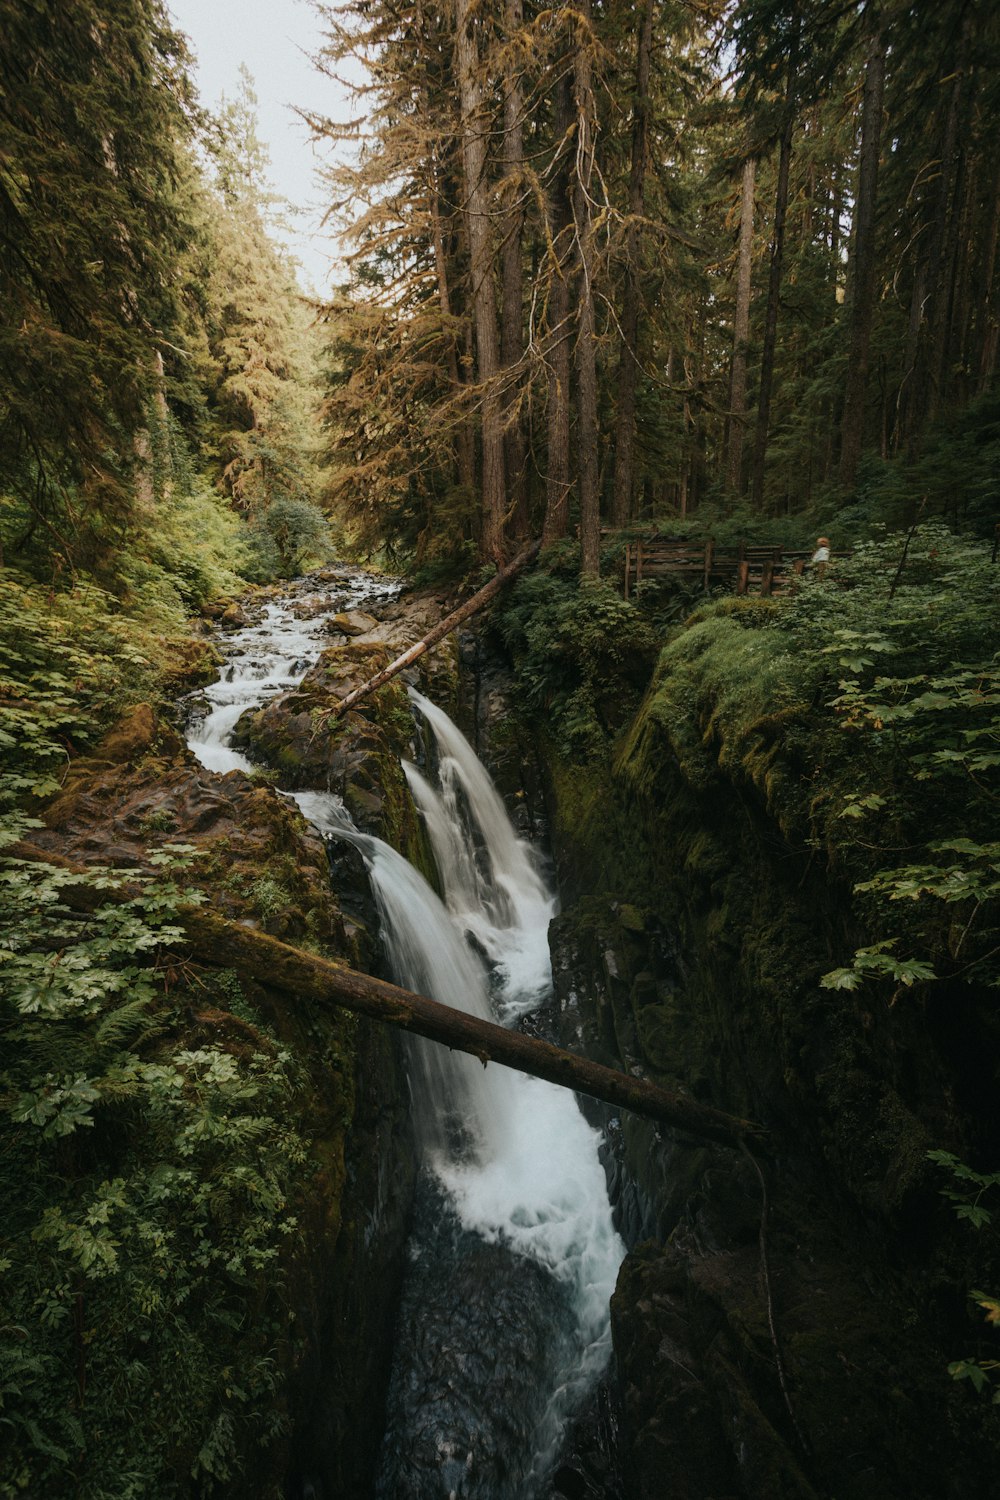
275	40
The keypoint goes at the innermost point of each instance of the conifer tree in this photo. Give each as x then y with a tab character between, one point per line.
92	108
863	248
260	392
474	131
528	205
628	365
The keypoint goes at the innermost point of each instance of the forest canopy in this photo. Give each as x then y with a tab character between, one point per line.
606	265
154	344
612	263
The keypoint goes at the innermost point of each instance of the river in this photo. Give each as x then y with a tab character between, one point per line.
503	1328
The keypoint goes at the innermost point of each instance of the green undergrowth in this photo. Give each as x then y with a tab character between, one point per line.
785	871
868	727
150	1156
157	1130
192	549
581	656
70	663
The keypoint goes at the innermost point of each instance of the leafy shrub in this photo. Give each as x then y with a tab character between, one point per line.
581	655
966	1192
71	662
284	537
196	540
147	1162
868	725
146	1186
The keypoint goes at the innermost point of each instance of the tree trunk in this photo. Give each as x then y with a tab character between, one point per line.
906	399
628	367
986	321
741	332
465	448
512	279
586	340
218	941
474	129
774	279
444	627
955	168
862	300
956	366
557	347
920	380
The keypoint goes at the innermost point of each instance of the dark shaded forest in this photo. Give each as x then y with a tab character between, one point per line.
611	269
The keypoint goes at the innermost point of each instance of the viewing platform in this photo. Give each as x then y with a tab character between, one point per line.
746	568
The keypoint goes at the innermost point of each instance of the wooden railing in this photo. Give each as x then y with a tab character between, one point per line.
746	568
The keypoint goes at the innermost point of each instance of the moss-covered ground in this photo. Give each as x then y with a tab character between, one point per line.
181	1270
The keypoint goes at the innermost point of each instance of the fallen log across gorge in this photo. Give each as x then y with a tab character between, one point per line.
225	943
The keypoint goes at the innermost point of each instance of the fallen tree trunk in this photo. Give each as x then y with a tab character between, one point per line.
228	944
450	622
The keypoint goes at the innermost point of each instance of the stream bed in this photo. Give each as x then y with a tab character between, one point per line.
503	1329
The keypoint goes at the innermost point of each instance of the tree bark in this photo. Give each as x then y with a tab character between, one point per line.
444	627
512	278
474	130
302	976
774	278
949	292
862	301
465	448
956	367
741	332
586	339
986	322
557	347
628	367
918	390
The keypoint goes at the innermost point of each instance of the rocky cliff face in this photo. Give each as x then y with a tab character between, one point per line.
784	1324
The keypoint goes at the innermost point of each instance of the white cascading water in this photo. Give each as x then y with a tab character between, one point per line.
540	1189
513	1166
273	654
426	953
264	658
493	887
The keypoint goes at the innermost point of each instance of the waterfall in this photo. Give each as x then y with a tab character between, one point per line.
504	1324
493	886
514	1240
461	1109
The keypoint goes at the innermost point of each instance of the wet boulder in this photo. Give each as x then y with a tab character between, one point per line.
352	622
357	755
233	617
